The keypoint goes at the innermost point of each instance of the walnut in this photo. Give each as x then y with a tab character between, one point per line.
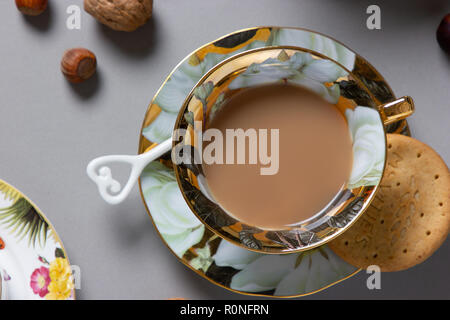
122	15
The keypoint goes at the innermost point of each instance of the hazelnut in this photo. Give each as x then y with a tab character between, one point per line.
78	64
121	15
443	34
31	7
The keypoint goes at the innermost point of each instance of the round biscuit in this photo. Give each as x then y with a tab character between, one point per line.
409	217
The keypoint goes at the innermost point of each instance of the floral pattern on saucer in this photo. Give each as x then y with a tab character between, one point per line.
34	263
220	262
178	226
240	269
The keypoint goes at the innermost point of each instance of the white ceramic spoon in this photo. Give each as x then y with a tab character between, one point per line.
109	188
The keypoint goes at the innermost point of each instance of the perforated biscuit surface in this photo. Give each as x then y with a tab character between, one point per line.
409	217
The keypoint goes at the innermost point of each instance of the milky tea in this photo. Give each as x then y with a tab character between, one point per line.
314	154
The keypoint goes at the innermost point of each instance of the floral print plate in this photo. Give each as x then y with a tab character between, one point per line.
219	261
33	262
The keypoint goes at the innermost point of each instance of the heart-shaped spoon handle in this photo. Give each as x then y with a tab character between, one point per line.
109	188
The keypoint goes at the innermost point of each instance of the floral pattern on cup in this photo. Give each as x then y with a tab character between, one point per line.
287	275
315	42
368	146
300	68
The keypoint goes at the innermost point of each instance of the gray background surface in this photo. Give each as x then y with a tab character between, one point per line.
49	129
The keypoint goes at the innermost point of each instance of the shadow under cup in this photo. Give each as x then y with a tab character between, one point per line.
315	72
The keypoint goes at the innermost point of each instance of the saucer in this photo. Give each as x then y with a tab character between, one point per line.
217	260
32	257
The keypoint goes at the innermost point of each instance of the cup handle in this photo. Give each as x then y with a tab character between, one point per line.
109	188
396	110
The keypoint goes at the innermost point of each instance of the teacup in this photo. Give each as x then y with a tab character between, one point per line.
366	124
366	119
